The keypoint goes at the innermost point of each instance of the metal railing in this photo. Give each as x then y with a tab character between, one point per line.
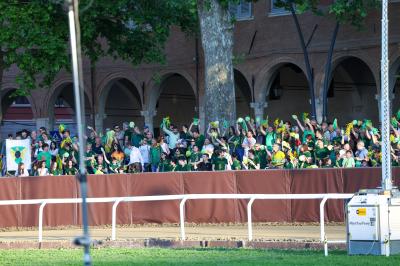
183	199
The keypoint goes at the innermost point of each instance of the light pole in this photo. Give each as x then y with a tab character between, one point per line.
74	28
385	102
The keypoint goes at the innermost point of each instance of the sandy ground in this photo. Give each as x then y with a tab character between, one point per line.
262	232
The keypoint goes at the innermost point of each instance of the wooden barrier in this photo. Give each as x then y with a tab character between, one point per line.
209	211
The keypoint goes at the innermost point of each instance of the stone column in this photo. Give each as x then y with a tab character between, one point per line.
202	119
43	122
148	118
319	108
98	120
259	109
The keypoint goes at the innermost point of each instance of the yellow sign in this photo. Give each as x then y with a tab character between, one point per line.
362	211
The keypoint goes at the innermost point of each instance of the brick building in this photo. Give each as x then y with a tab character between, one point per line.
269	76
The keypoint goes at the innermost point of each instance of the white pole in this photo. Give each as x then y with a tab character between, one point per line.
385	103
41	221
249	218
182	218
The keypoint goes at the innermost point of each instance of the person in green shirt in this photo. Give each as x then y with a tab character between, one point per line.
103	161
236	164
137	137
219	163
45	155
165	164
194	157
155	155
199	138
270	136
55	170
182	165
69	168
115	166
129	132
262	155
321	152
90	159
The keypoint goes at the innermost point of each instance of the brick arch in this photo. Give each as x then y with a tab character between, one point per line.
10	87
265	76
153	88
50	98
369	62
52	94
244	75
102	89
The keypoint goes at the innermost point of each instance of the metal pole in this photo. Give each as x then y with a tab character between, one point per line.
73	17
385	102
182	218
249	219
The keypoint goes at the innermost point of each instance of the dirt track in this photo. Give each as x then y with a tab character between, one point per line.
261	232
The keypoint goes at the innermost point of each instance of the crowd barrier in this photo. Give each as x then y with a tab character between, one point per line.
308	181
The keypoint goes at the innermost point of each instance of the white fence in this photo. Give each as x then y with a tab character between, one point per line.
183	198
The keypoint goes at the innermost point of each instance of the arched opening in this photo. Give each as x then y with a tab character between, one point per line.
177	100
122	103
287	92
62	108
16	113
395	85
242	95
352	91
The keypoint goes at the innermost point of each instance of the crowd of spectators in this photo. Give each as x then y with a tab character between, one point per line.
249	144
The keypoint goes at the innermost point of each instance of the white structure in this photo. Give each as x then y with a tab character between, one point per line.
373	226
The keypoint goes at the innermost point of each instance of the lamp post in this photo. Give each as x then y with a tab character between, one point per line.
74	28
385	101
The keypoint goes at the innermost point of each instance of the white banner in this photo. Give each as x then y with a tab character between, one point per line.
18	151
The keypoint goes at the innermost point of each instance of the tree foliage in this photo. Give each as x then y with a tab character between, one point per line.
351	12
34	34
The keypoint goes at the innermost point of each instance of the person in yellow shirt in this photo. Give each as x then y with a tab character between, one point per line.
277	157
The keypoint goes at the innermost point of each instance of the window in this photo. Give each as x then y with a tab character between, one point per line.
277	10
241	11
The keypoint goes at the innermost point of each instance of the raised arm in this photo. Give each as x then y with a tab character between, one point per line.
104	155
190	129
166	131
262	131
299	124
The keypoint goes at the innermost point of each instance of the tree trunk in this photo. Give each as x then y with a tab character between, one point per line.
217	39
328	68
1	86
310	76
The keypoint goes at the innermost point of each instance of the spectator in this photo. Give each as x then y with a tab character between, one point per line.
348	161
22	171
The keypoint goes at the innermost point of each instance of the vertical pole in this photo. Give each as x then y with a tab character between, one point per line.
249	219
322	224
182	218
310	75
41	221
385	102
74	28
114	219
